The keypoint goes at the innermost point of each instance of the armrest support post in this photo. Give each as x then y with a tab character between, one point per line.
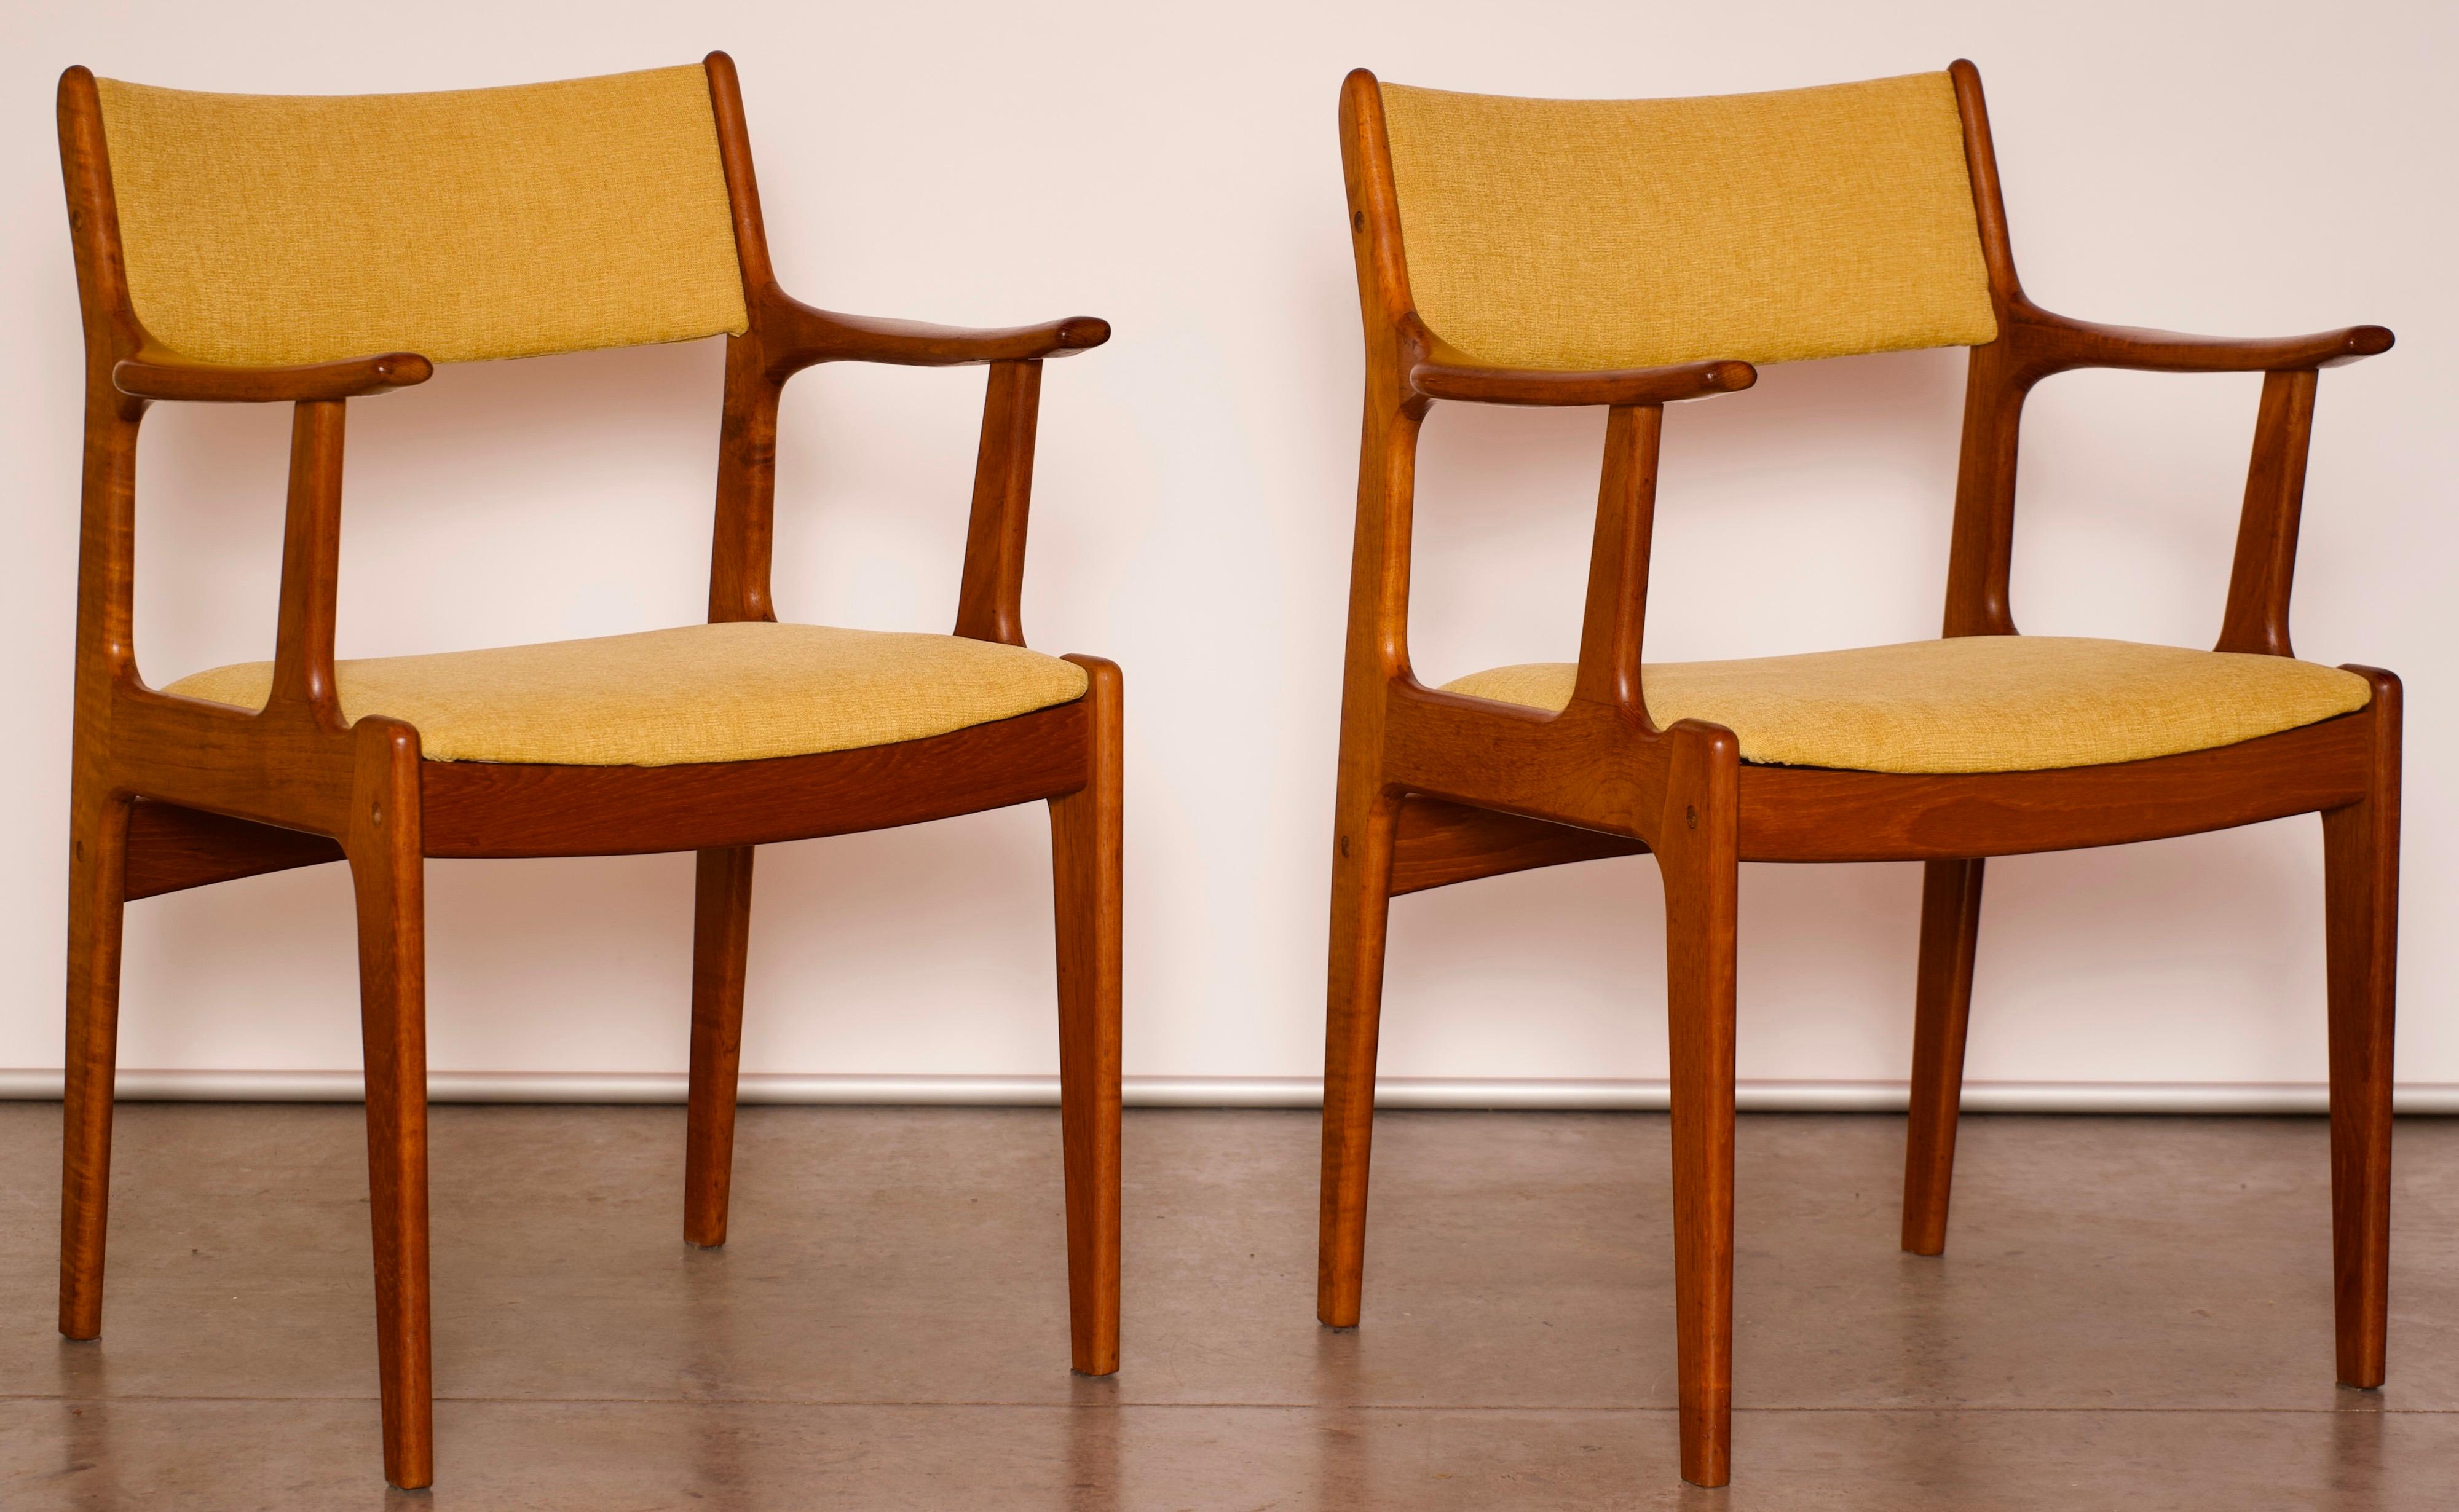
311	535
1980	551
740	545
1617	604
989	604
2257	618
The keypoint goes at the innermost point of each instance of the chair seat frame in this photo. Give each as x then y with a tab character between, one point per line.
1437	787
169	793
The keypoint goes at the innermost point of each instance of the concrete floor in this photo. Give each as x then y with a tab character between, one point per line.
2131	1311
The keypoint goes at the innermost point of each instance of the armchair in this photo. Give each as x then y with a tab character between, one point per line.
614	211
1533	252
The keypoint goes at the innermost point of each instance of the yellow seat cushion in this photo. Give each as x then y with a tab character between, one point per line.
700	693
1978	703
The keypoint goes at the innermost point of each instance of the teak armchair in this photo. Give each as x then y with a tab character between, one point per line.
1630	254
311	251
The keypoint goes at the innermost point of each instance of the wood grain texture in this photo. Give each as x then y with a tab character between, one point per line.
990	598
2360	915
1449	375
1695	845
1366	803
506	808
1608	674
98	805
1087	852
802	336
173	848
2255	619
171	792
387	873
721	956
2052	343
1361	896
157	372
311	545
1950	934
1438	844
1435	788
1799	814
98	853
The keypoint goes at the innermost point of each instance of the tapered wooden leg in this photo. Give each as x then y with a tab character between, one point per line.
1698	857
721	947
98	867
2361	911
1361	905
1950	932
1087	835
387	872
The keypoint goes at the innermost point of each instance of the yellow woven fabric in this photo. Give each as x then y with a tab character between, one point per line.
468	224
1978	703
1588	234
700	693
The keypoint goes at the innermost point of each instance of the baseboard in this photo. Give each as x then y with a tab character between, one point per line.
1260	1092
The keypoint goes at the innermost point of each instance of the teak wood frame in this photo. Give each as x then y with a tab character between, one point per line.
1436	787
170	794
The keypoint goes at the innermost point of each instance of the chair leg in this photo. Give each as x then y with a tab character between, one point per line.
97	867
721	947
1361	905
387	873
1950	931
1699	857
1086	846
2361	912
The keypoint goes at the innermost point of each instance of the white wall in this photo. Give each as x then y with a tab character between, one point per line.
2253	168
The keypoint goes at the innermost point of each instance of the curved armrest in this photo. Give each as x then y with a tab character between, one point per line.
805	335
157	374
2063	342
1450	375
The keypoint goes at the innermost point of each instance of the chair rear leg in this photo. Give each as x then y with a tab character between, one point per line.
1366	823
1950	932
97	871
721	948
1086	849
2361	911
387	873
1698	855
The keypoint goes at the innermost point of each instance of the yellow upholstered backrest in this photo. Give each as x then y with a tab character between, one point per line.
1587	234
467	224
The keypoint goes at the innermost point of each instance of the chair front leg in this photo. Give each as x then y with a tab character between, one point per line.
388	873
721	951
1366	824
1950	933
1087	848
2361	912
1697	849
97	875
